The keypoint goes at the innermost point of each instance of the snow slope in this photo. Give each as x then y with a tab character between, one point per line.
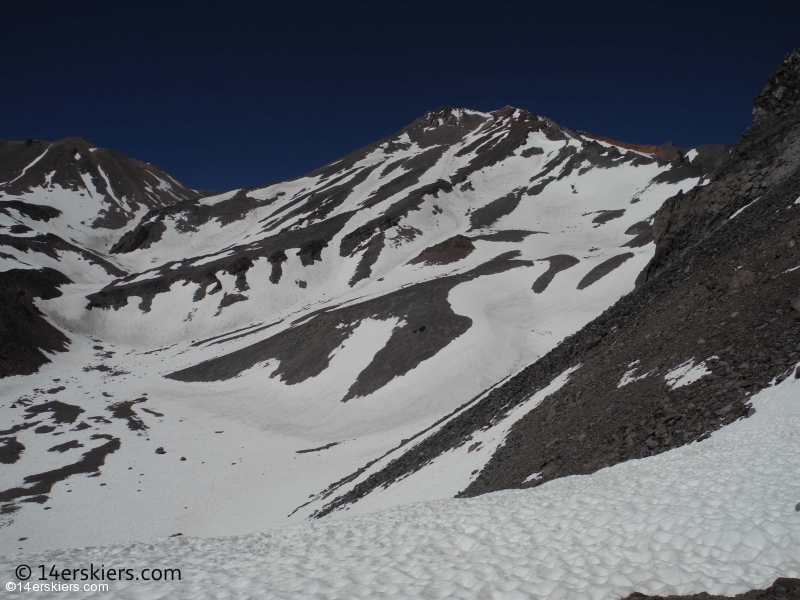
716	516
318	324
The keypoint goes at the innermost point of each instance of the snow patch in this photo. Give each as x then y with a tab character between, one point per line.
748	205
630	375
686	373
211	258
25	170
109	190
532	477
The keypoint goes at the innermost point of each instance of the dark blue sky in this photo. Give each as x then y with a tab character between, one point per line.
232	94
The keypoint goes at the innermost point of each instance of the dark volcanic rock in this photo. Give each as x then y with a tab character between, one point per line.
643	232
607	215
765	157
446	252
10	450
42	483
311	251
603	269
781	95
507	235
36	212
370	256
61	412
144	235
782	589
495	210
25	334
70	445
558	263
124	410
325	447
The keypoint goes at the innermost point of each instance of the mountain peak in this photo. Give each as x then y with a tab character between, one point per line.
112	186
782	91
450	116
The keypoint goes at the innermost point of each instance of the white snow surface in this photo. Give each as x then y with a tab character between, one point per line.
686	373
716	516
252	476
746	206
25	170
630	375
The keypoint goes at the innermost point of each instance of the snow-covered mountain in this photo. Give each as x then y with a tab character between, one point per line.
62	205
481	301
318	323
92	193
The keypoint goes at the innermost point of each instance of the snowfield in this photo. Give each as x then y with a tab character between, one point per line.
237	364
557	226
717	516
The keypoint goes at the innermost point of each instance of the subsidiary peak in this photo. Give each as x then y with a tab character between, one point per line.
115	185
781	94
